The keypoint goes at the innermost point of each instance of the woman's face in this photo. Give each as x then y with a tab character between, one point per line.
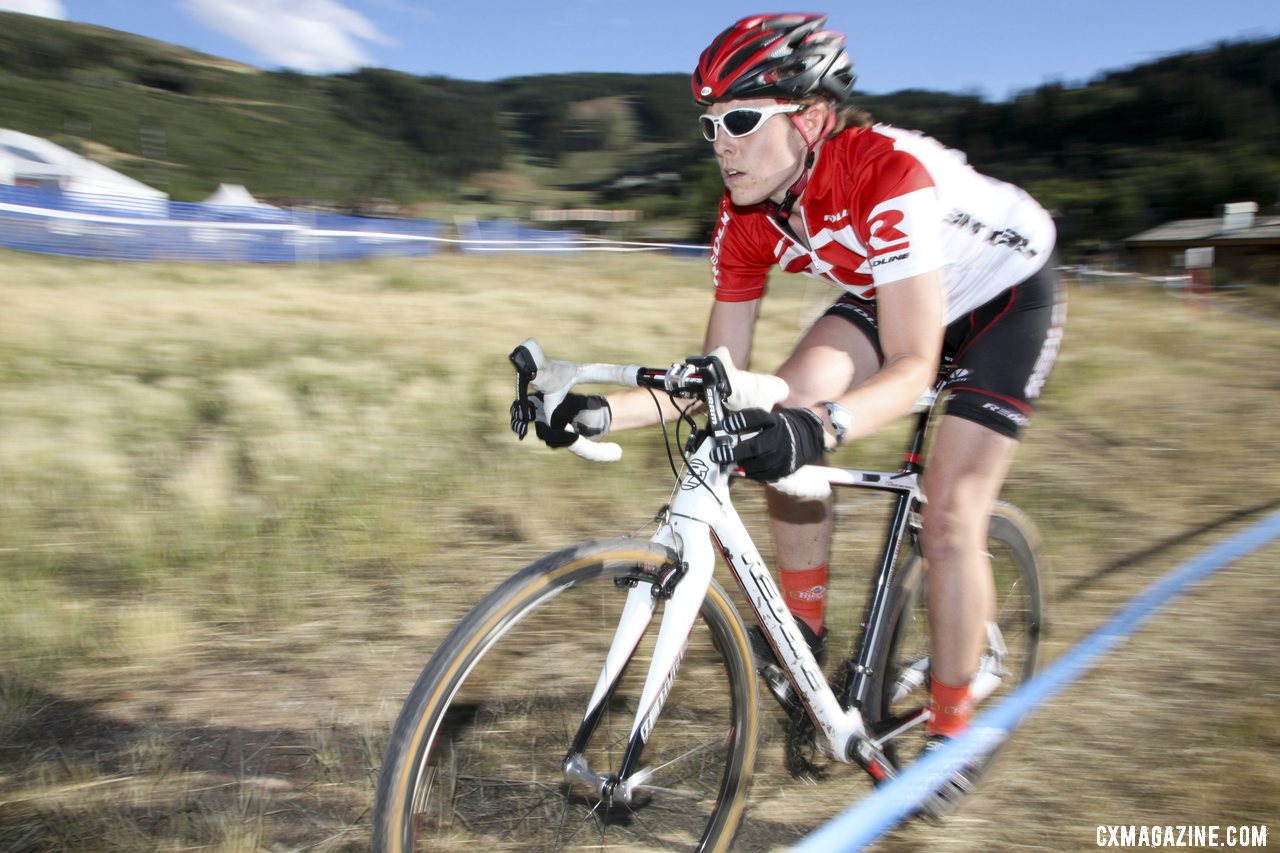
764	164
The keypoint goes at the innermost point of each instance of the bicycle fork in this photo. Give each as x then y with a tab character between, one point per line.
683	600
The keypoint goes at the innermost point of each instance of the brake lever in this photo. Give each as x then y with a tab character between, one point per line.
522	410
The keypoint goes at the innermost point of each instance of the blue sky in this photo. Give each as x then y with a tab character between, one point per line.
995	49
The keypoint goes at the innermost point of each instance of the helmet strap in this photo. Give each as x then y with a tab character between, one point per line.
782	211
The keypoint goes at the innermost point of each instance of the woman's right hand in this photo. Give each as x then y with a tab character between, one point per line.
585	415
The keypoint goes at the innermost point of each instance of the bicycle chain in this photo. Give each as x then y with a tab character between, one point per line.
801	750
802	756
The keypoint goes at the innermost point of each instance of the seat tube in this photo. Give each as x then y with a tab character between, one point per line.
875	629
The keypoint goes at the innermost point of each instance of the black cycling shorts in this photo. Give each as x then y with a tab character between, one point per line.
999	354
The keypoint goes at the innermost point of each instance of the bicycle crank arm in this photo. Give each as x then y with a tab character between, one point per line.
870	756
880	734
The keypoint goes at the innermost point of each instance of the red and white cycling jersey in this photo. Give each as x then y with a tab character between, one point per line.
884	204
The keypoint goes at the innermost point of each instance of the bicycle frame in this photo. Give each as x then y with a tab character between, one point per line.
700	520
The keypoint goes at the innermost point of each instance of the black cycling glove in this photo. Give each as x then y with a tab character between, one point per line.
785	441
589	415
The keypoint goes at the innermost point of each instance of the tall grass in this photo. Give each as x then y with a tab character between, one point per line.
234	485
236	442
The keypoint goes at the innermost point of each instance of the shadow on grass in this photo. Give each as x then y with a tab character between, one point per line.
75	778
1161	548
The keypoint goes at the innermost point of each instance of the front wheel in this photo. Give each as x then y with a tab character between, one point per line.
475	758
900	682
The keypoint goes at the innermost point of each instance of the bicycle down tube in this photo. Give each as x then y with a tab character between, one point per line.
700	514
701	519
632	643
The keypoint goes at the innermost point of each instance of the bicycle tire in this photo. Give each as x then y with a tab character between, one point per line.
475	755
896	688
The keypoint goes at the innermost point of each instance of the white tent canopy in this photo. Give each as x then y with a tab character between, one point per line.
26	159
234	195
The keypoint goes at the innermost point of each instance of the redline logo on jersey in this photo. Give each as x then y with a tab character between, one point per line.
888	259
715	248
883	232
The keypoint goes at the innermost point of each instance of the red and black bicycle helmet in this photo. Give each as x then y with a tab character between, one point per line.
788	57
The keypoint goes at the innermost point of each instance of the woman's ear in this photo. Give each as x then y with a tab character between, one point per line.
812	121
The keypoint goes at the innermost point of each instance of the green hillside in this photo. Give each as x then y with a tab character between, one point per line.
1168	139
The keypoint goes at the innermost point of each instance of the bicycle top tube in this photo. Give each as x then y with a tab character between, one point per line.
702	509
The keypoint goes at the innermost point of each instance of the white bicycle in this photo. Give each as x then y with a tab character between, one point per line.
605	695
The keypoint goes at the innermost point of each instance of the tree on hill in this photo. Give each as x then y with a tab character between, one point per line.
1163	140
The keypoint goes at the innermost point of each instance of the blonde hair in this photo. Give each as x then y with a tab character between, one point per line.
849	116
846	115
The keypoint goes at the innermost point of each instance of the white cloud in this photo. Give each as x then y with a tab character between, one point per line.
42	8
305	35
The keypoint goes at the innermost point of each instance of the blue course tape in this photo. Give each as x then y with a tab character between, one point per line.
889	805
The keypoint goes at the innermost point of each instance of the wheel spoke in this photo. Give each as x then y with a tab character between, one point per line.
493	775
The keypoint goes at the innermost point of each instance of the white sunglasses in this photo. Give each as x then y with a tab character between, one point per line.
743	121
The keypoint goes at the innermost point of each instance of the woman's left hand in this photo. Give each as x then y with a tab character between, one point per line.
784	441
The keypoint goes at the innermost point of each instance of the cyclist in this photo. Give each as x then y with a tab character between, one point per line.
935	261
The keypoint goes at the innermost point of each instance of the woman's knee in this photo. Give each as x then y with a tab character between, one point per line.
964	476
947	530
832	357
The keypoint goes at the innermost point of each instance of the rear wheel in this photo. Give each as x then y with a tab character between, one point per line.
475	759
900	681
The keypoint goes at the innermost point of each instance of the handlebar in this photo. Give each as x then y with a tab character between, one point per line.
739	389
555	378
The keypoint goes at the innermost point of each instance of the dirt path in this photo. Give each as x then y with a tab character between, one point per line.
271	743
266	735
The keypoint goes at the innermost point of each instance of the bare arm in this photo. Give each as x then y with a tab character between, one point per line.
731	324
910	312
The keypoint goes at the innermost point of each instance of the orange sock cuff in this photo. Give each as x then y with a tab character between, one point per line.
805	591
951	708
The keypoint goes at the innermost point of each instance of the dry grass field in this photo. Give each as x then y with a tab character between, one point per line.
239	506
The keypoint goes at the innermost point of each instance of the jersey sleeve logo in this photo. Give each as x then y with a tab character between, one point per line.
717	244
883	233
